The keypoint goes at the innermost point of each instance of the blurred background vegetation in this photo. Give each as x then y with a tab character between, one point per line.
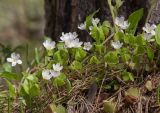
21	21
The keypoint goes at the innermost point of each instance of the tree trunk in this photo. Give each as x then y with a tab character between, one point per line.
65	15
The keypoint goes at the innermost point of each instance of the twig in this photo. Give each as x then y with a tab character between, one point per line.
100	90
107	39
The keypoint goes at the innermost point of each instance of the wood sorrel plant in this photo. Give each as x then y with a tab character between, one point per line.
118	48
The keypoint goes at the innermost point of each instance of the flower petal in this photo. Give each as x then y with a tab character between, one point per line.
19	61
9	60
14	63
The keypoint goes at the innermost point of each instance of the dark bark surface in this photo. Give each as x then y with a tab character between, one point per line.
155	14
65	15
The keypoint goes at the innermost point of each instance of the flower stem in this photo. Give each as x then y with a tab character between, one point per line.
113	13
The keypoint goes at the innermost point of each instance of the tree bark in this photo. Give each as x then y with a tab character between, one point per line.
65	15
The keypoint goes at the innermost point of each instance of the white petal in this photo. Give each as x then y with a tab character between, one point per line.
57	67
153	32
153	26
82	26
149	28
14	63
19	61
49	45
90	28
116	44
9	60
46	74
47	77
151	40
119	21
13	55
87	46
68	37
144	29
55	73
95	21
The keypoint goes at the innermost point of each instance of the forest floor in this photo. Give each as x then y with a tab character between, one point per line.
88	97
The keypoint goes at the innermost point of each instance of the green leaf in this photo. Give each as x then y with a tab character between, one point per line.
34	90
95	34
134	19
105	27
119	36
157	36
57	56
136	59
125	57
101	34
30	86
12	89
109	106
32	78
68	85
50	52
148	85
150	53
61	56
118	3
89	19
7	67
60	109
129	39
133	92
64	55
94	60
139	50
139	40
25	86
99	48
80	54
106	24
57	109
60	46
10	76
127	76
111	57
60	80
76	65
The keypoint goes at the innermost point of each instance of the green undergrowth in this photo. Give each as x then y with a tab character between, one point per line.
74	76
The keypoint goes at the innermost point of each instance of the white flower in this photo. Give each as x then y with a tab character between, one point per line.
68	36
116	44
90	28
55	73
95	21
57	67
71	40
119	21
49	45
82	26
148	37
76	43
46	74
87	46
148	28
56	70
14	59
